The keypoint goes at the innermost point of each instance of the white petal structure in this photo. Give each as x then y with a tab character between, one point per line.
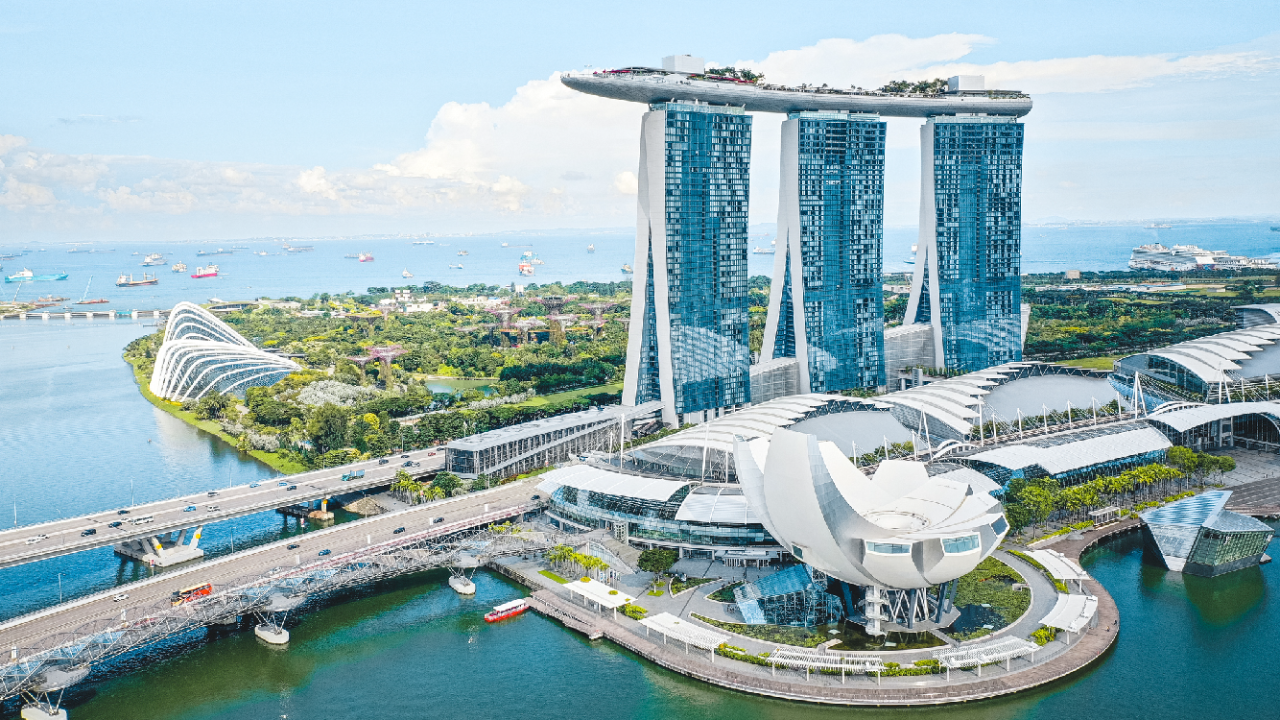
900	529
200	353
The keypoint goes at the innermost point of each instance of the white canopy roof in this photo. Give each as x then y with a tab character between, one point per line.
1076	455
598	592
1059	566
717	505
610	482
1187	418
1072	612
685	631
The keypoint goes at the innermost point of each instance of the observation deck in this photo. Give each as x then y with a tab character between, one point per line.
650	85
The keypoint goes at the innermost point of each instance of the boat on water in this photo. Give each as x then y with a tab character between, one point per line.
626	269
456	267
179	267
352	256
463	252
424	242
406	274
261	253
84	299
28	276
298	248
507	610
51	299
1180	258
591	248
206	271
462	585
1159	226
365	257
219	251
525	267
123	281
912	260
153	259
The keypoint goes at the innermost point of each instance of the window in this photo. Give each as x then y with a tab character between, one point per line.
956	546
999	526
888	548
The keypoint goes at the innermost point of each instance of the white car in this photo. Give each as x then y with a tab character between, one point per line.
36	539
121	596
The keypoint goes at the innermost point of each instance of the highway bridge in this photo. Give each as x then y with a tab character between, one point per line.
167	532
52	649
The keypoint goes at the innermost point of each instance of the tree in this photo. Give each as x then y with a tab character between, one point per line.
657	560
327	428
446	482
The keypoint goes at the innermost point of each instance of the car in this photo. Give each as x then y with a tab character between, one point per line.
536	497
397	531
404	456
437	520
292	487
407	463
122	512
282	483
115	524
189	508
121	597
213	493
383	461
211	508
292	546
254	485
324	552
35	539
430	454
88	531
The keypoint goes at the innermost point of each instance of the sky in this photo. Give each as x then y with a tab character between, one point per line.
194	120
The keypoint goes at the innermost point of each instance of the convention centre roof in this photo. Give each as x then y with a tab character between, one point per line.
1077	449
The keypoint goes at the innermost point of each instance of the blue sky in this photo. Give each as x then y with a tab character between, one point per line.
195	120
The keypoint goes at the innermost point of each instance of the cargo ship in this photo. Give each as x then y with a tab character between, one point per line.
206	271
179	267
123	281
28	276
507	610
84	299
525	268
219	251
153	259
365	257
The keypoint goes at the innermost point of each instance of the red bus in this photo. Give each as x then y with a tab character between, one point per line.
191	593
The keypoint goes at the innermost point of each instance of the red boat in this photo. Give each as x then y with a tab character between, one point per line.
204	272
507	610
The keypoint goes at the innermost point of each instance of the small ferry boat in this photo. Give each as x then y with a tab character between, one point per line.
153	259
525	268
406	274
456	267
297	248
179	267
123	281
507	610
219	251
591	248
261	253
365	257
463	252
207	271
626	269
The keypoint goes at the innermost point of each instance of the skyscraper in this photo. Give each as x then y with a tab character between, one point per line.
825	304
968	260
688	345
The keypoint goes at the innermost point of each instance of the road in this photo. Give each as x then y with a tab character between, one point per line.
34	631
60	537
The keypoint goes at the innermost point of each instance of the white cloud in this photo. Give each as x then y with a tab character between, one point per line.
841	62
626	183
18	195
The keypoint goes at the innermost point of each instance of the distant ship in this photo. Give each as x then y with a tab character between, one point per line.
365	257
1180	258
297	248
79	250
626	269
28	276
84	298
153	259
352	256
525	267
424	242
772	249
456	267
179	267
591	248
1159	226
123	281
911	260
406	274
207	271
463	252
51	299
261	253
219	251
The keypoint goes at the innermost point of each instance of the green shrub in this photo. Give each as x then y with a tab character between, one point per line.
635	612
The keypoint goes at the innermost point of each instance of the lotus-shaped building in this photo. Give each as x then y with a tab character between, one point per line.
896	535
201	353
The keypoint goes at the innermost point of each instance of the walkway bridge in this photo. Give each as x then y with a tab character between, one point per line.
51	650
166	532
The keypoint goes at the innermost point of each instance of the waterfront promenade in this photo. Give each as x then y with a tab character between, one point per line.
68	535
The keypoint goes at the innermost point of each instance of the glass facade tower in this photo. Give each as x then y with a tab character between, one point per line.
689	345
968	261
826	302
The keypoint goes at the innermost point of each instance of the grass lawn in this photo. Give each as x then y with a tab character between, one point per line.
539	400
780	634
678	587
724	594
210	426
552	576
1094	363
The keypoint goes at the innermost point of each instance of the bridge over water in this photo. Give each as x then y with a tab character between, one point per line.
55	648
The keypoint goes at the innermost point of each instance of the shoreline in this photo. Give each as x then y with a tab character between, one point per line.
272	461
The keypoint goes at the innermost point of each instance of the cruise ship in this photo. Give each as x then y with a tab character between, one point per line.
1180	258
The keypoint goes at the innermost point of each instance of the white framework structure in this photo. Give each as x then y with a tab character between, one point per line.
201	353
